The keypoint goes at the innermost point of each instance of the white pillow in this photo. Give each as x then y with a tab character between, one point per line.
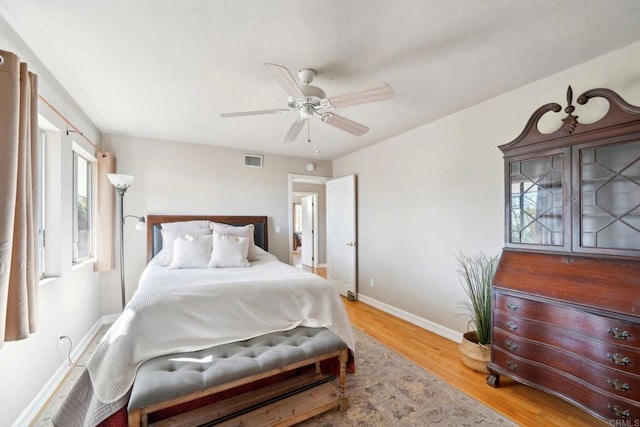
229	251
169	237
186	226
191	252
242	231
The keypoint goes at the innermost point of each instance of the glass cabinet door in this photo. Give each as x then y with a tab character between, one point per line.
610	197
536	209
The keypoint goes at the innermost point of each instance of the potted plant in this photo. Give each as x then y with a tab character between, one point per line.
476	276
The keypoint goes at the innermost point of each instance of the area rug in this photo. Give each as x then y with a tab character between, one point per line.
390	390
387	390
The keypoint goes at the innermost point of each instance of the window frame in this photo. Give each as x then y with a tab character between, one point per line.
47	201
41	202
91	163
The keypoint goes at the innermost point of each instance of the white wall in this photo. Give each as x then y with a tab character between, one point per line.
425	195
70	303
183	178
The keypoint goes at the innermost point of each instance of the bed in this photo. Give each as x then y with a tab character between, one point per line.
178	309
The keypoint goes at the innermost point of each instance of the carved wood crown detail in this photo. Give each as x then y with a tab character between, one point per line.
621	118
570	122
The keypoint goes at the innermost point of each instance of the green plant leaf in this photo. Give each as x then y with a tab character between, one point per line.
476	274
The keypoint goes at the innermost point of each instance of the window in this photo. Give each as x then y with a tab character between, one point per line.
47	200
297	218
41	201
82	205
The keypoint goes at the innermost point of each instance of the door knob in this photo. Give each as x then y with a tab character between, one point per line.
351	244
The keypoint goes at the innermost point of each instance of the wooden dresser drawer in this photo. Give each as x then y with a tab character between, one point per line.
597	326
600	403
625	359
609	284
607	379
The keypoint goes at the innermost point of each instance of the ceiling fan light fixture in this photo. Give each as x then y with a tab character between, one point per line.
306	111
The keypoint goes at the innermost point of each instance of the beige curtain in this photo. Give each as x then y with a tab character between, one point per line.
106	223
18	180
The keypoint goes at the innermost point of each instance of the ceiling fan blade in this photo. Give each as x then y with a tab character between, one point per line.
294	130
286	80
344	124
379	93
255	113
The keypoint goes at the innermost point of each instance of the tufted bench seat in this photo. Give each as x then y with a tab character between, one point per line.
173	379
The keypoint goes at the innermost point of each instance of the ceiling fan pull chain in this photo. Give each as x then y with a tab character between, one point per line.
308	130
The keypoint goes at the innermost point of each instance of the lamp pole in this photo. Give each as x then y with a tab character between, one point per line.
121	183
121	191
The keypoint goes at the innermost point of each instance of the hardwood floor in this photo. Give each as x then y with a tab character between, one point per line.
524	405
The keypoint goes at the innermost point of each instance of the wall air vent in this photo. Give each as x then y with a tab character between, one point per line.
253	160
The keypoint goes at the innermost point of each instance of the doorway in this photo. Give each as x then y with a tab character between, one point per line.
300	186
305	228
343	266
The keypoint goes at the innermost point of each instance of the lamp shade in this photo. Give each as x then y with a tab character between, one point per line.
120	181
141	225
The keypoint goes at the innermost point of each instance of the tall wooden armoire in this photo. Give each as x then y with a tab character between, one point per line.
566	295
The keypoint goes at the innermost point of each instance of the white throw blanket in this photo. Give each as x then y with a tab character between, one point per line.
175	311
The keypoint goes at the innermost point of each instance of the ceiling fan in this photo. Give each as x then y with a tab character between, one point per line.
310	100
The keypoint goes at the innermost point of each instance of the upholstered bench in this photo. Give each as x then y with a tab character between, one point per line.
167	381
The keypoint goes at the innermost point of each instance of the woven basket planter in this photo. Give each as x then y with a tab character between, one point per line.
475	356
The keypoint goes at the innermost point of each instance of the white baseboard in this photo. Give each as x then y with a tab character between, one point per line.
436	328
323	265
28	416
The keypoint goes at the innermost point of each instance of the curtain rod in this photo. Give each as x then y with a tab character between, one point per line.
75	129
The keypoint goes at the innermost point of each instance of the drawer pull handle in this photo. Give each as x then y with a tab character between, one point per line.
618	334
618	411
512	325
512	365
512	346
618	385
512	307
618	359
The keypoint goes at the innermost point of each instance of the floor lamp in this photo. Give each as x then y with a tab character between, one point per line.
122	183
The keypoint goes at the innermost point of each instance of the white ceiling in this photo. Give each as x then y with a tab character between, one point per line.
166	69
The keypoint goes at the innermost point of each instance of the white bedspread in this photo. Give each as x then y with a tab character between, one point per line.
184	310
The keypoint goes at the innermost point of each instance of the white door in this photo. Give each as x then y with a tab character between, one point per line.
341	235
308	231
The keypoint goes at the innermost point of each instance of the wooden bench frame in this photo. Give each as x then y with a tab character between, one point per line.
283	411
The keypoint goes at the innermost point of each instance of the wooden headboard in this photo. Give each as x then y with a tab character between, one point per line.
154	225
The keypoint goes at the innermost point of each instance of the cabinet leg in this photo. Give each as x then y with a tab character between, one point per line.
493	380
